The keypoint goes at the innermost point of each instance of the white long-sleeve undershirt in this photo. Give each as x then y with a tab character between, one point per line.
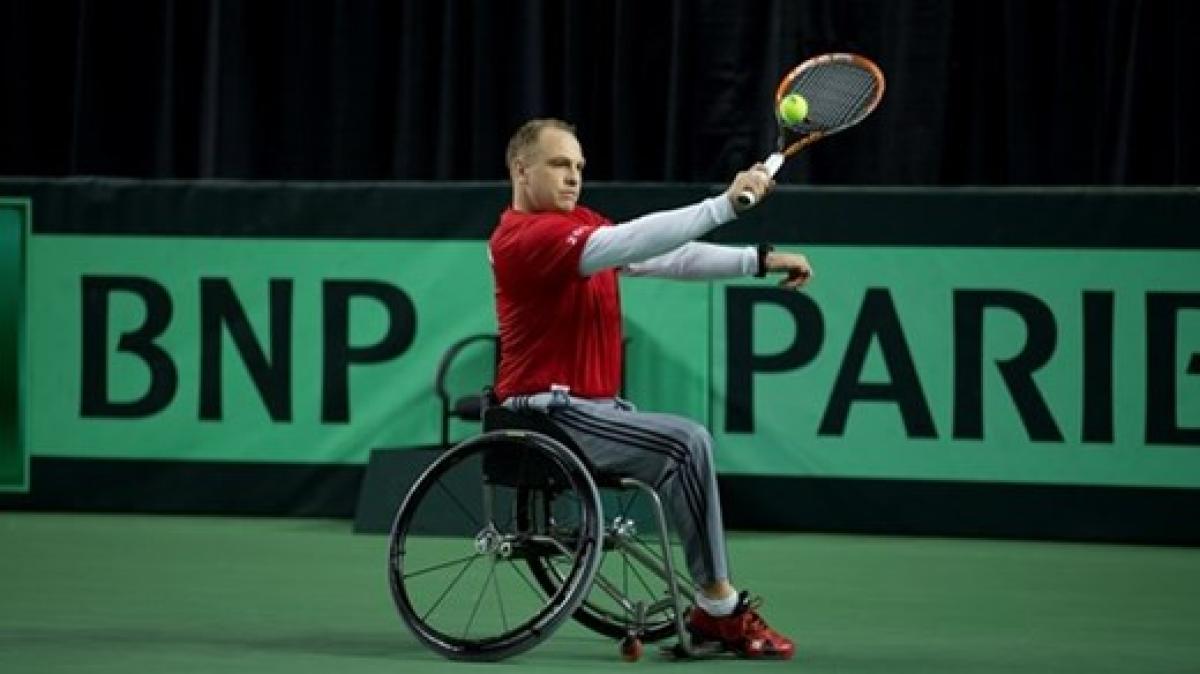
661	244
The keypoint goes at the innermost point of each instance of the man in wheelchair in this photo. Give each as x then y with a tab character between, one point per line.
555	265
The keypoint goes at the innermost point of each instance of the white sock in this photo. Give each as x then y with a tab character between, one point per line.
718	607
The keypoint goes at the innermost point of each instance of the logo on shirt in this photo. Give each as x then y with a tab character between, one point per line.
573	237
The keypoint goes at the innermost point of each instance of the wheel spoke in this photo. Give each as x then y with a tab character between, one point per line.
463	508
642	580
500	602
538	592
651	550
627	506
479	599
449	587
625	566
442	565
657	554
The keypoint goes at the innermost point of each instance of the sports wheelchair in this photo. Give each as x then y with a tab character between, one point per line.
504	537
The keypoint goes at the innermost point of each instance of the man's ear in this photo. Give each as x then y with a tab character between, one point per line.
519	170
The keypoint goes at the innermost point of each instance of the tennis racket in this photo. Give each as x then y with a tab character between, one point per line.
841	90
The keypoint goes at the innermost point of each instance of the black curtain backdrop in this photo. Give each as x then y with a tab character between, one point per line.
1087	92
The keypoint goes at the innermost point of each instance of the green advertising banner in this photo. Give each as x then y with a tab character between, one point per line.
280	350
959	364
1006	365
14	462
303	324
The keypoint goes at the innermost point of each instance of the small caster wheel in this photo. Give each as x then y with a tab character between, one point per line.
631	648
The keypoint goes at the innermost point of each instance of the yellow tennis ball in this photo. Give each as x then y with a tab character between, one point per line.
793	109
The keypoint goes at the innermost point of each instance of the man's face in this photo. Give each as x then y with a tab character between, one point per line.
550	175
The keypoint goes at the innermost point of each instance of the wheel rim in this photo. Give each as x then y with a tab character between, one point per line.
459	580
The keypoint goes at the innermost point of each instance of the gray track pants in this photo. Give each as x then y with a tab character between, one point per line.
671	453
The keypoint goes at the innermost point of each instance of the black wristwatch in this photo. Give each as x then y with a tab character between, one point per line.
763	249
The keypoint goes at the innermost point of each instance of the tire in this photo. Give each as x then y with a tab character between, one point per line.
498	466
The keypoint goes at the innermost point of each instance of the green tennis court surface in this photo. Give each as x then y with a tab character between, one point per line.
93	593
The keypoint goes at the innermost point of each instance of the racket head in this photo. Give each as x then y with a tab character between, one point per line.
841	90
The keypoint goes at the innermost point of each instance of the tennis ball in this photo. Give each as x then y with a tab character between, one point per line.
793	109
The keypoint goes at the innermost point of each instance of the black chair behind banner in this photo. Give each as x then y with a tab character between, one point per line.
466	407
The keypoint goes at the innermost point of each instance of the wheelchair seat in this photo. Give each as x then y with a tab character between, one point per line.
497	418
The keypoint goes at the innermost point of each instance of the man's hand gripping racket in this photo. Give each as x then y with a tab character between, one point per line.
841	90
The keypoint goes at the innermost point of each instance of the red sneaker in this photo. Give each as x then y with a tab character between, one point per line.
744	632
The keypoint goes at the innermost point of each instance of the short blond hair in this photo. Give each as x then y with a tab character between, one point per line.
527	136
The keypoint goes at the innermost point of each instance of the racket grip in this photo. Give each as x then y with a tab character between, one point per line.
772	163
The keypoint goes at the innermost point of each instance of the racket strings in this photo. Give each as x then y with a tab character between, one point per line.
838	94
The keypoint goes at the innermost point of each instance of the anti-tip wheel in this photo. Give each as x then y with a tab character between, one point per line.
631	649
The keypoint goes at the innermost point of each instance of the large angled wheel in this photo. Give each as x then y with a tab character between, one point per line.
458	552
